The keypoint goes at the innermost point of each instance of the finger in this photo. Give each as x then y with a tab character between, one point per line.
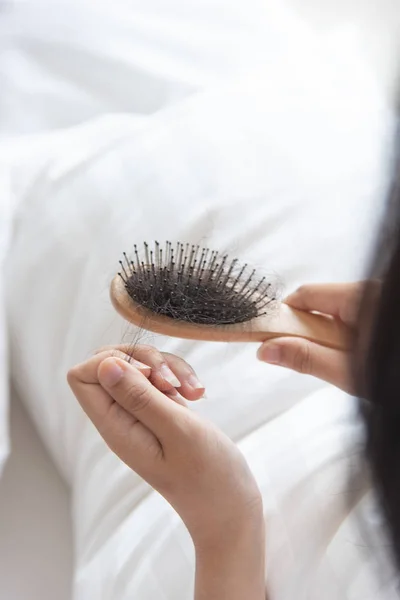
131	390
340	300
84	382
191	388
168	371
86	372
95	401
132	441
161	375
309	358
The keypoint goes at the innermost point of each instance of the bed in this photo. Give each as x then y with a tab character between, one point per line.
215	127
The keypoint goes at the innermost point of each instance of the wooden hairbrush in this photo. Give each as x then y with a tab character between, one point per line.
186	291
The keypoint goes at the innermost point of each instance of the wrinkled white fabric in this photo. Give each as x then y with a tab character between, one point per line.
281	171
283	165
64	62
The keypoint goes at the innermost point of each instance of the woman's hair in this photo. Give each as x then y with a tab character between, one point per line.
377	363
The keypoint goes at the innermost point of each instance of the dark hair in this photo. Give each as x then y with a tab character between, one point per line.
377	362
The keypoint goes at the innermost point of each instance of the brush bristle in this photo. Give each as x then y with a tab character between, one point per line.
197	285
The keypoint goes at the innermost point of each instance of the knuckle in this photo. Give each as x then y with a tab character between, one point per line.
302	290
302	358
144	347
350	305
71	376
150	354
137	397
104	354
111	352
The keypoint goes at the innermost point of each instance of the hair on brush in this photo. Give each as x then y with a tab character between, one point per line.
194	284
186	291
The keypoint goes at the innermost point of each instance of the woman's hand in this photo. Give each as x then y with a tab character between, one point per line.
338	300
167	372
143	419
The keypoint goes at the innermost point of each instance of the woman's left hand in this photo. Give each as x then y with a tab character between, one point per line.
143	418
167	372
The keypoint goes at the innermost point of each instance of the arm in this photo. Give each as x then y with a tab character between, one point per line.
233	567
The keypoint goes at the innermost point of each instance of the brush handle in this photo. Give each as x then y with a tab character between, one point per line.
289	322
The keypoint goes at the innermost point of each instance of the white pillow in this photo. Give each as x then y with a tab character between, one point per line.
65	62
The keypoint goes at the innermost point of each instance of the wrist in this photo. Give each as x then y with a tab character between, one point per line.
231	565
245	529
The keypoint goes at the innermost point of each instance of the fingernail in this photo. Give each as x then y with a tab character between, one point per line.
195	383
168	375
110	372
270	353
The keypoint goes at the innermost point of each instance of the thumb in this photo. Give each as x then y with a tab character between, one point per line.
308	358
134	392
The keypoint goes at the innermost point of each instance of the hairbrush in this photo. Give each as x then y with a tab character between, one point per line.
186	291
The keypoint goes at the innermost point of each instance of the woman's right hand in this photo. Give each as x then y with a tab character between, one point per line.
339	300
